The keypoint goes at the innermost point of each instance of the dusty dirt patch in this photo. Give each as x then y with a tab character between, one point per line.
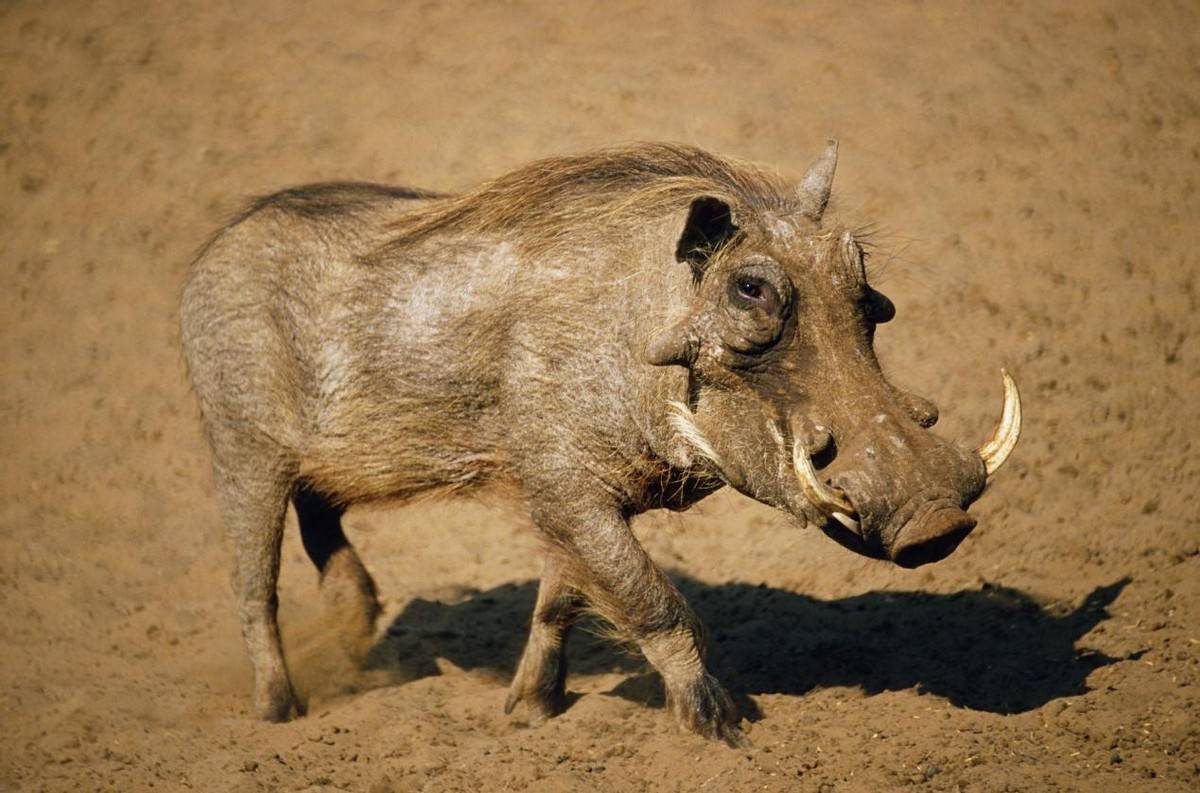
1032	169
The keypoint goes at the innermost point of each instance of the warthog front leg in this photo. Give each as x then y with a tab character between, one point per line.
606	563
541	677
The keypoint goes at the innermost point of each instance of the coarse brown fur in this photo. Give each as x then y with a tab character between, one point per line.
352	343
552	202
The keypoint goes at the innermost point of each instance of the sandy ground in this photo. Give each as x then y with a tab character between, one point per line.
1032	168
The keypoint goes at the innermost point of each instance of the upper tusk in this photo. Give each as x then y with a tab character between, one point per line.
828	500
1000	445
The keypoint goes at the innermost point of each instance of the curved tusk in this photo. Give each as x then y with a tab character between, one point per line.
683	421
847	521
832	502
1000	445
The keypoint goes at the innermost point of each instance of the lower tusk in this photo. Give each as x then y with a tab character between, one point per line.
829	501
1004	438
847	521
683	421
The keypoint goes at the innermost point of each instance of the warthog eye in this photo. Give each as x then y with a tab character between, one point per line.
752	292
756	303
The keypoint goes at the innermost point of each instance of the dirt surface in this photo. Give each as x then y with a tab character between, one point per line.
1032	170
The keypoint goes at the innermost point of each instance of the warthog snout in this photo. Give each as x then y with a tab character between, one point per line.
897	491
930	536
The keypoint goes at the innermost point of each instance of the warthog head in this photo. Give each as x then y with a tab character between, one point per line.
787	400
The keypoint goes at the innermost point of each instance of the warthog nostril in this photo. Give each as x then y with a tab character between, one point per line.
931	537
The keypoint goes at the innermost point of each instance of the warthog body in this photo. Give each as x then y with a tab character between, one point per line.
599	335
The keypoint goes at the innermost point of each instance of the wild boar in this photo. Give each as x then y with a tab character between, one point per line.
598	335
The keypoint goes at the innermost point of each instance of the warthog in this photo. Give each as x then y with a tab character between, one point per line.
599	335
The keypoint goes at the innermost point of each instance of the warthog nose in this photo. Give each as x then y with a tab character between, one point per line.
931	537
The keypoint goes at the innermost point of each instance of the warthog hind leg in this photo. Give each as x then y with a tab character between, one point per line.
253	479
347	589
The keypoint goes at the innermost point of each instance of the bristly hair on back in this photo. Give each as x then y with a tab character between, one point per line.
634	182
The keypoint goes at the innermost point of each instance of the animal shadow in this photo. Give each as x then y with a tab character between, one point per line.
994	649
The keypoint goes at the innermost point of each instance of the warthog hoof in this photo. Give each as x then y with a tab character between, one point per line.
703	707
277	703
540	682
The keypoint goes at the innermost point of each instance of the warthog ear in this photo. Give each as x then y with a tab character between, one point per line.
709	224
813	190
